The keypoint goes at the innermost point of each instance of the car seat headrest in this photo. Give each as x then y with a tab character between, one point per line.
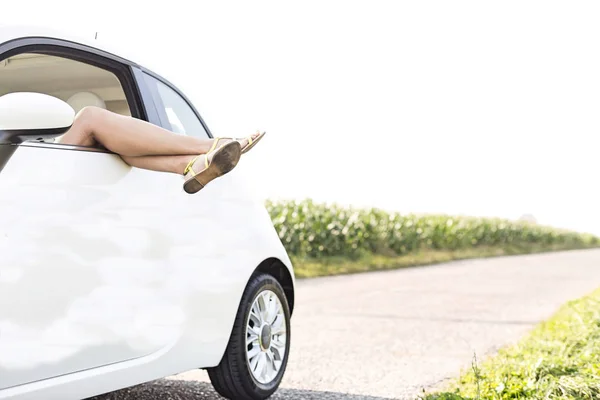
85	99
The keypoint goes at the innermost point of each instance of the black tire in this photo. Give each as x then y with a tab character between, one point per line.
232	377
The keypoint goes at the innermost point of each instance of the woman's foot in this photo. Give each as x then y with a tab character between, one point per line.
206	167
246	143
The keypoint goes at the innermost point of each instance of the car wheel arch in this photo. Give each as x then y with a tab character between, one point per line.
277	269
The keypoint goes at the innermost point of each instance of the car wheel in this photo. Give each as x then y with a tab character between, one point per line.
256	356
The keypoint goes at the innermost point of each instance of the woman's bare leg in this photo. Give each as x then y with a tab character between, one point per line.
174	164
128	136
139	143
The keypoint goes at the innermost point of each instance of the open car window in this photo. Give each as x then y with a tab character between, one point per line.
77	83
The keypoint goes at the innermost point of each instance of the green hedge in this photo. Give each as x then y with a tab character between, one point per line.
308	229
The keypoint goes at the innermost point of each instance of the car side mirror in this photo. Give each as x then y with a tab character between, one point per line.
26	116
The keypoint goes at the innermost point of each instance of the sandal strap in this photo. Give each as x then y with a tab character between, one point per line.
189	168
215	143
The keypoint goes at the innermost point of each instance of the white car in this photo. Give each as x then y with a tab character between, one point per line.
112	276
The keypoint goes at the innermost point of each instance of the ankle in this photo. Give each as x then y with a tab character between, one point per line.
184	163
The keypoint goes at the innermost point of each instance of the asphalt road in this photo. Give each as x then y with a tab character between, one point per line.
390	335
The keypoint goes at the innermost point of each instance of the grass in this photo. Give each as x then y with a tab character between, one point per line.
326	266
559	359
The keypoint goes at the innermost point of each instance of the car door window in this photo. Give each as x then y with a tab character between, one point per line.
179	117
75	82
78	83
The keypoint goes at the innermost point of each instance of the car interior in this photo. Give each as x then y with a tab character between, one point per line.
77	83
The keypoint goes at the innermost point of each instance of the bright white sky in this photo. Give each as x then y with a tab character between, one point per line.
469	107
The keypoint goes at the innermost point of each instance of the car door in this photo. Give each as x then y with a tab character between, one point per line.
84	249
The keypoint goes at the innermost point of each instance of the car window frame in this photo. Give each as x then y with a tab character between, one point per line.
135	90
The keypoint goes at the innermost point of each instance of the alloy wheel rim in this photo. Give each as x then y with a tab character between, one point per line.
266	337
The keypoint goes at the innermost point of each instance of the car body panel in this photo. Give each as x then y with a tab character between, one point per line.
112	276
